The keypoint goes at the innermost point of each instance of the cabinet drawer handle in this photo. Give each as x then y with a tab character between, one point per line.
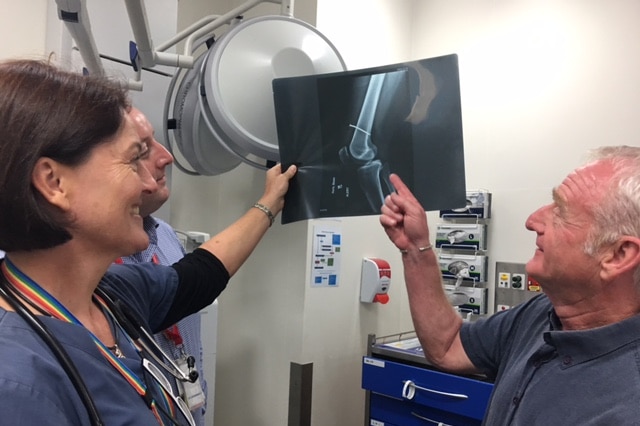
409	391
426	419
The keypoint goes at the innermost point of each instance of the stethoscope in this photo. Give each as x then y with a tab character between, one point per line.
124	317
132	325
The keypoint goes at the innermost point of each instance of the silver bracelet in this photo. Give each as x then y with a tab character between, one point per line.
420	249
266	211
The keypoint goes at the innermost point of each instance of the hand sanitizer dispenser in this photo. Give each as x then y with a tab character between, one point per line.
375	280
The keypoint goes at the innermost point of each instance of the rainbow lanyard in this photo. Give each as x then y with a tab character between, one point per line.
49	304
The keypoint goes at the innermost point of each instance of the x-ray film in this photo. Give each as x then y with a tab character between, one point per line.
348	131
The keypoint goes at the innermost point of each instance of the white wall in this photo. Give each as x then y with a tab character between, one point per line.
22	29
368	32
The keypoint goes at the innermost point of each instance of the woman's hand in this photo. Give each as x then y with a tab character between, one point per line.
276	186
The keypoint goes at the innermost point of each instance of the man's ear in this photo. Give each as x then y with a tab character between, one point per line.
47	178
623	257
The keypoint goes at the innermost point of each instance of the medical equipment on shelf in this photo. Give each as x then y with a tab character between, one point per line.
219	109
467	299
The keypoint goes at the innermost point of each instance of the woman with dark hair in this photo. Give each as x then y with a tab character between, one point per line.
74	328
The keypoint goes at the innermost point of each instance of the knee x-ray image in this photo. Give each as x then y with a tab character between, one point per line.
348	131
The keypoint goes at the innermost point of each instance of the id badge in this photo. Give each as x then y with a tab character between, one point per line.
193	393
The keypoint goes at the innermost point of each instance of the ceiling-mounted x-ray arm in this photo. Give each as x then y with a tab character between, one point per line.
74	14
286	10
150	57
75	17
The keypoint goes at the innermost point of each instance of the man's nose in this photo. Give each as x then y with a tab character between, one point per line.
164	156
149	183
535	221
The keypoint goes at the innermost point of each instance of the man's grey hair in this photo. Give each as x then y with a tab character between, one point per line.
618	212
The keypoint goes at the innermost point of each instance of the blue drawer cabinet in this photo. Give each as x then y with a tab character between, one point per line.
404	394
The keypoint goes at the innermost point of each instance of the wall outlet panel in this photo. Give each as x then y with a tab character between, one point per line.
518	281
503	279
513	286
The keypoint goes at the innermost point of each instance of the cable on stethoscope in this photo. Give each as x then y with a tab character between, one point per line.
132	325
58	350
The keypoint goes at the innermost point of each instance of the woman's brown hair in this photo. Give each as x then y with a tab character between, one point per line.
47	112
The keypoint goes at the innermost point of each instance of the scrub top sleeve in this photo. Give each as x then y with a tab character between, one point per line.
147	288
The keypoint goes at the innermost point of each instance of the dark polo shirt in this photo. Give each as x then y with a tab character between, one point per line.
546	376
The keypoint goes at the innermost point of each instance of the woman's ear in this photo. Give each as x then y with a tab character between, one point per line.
623	257
47	178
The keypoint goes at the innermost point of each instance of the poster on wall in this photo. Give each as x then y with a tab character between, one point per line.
348	131
326	256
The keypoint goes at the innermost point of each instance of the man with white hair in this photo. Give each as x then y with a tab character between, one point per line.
568	356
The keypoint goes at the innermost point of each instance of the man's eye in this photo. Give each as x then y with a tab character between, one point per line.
144	151
139	157
560	212
142	154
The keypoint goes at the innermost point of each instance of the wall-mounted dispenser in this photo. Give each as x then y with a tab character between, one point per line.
375	280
